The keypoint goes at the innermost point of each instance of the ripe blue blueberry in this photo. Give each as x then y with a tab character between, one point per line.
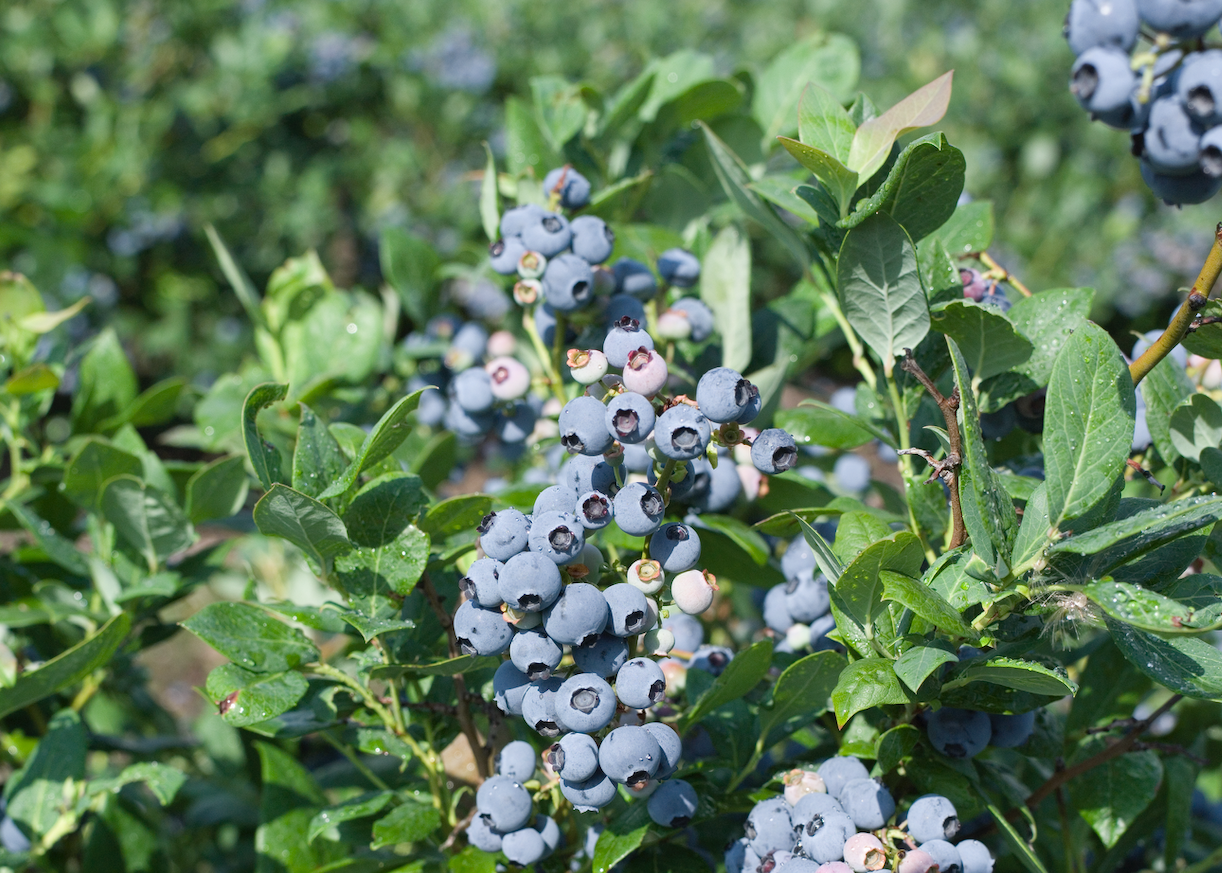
1011	731
530	582
798	557
515	220
1180	19
723	485
681	483
639	509
723	394
932	817
539	706
629	755
466	346
524	846
629	611
555	498
1172	140
604	655
1193	188
824	834
1199	87
481	631
558	536
676	547
481	835
622	306
806	597
503	534
550	831
504	255
681	433
1102	80
517	761
589	795
773	451
535	653
583	426
578	616
699	315
515	423
868	803
679	267
769	827
592	239
585	703
1111	23
545	324
574	757
810	805
634	278
688	631
585	473
840	771
509	686
975	857
640	684
776	610
671	746
572	187
595	510
959	733
711	659
481	584
944	855
568	283
505	802
549	235
997	299
673	805
467	425
624	337
472	390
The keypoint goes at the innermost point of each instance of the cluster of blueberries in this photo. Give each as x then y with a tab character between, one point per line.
829	820
1167	93
799	610
965	733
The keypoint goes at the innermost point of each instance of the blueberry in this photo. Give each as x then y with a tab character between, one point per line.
509	377
736	858
629	755
864	852
468	425
679	268
776	610
595	510
432	408
589	795
711	659
997	299
481	631
592	239
472	390
698	314
975	857
640	684
515	423
840	771
545	324
587	366
824	834
504	255
769	827
585	473
633	277
916	861
503	534
524	846
692	590
799	556
646	372
1111	23
798	864
688	631
517	761
572	187
548	235
622	306
723	394
1011	731
670	744
800	782
550	831
515	220
1172	142
673	805
868	803
574	757
752	410
806	597
578	616
481	835
481	583
773	451
539	706
646	576
555	498
639	509
1180	19
682	480
945	856
505	802
724	485
932	817
583	426
853	471
807	808
558	536
1199	87
676	547
682	433
530	581
509	686
585	703
959	733
624	337
1102	80
603	655
636	459
535	653
1182	190
568	283
629	610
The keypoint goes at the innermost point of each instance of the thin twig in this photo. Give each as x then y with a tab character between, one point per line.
1000	272
949	471
458	829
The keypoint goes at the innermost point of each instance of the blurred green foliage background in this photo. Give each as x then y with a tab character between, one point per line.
125	127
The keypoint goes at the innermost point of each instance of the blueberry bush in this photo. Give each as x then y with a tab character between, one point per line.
545	554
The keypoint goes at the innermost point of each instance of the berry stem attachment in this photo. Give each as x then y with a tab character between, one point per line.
1198	296
949	471
545	358
997	271
663	485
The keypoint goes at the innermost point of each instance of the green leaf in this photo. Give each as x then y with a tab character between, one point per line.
94	463
1144	609
358	807
36	793
1033	532
217	490
1206	340
824	124
856	531
489	211
837	180
741	533
918	663
1088	423
969	229
921	189
874	138
741	675
162	779
372	626
264	457
949	576
1196	425
1177	771
880	288
145	519
829	565
1187	665
858	592
289	800
59	549
1017	844
1164	389
865	684
247	698
802	690
391	430
666	858
303	521
66	668
449	667
526	147
106	383
1113	794
925	602
1028	676
1048	319
384	508
155	405
559	108
395	567
248	636
822	425
317	458
828	62
31	380
896	744
725	285
988	341
409	264
407	823
780	191
735	179
455	515
622	836
236	276
472	860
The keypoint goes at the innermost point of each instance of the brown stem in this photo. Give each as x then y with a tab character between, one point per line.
458	829
1003	274
1198	296
460	683
949	469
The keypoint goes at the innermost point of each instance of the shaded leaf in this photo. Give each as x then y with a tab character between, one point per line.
248	636
264	457
741	675
803	690
391	430
919	662
407	823
725	286
66	668
247	698
217	490
145	519
303	521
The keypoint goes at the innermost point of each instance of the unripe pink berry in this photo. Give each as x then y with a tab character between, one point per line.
647	576
673	324
693	590
676	675
645	372
510	378
799	783
916	861
502	342
865	852
834	867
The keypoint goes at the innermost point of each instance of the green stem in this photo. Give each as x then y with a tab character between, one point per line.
850	337
905	441
545	359
664	480
355	760
367	697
